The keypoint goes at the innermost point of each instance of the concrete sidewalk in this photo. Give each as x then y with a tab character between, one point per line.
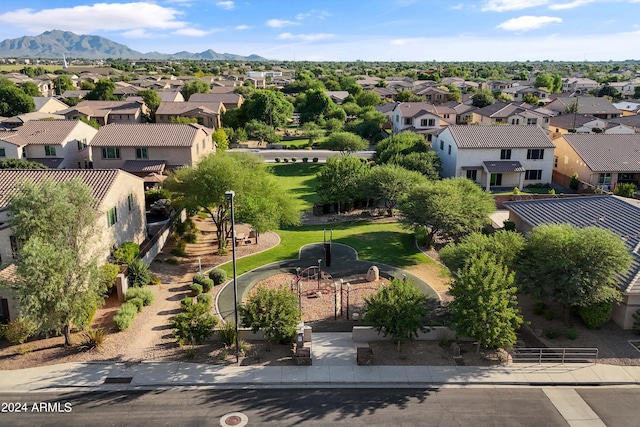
145	375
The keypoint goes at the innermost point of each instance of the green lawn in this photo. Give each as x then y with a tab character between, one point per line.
387	243
300	180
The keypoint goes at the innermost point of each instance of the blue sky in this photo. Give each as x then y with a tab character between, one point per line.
346	30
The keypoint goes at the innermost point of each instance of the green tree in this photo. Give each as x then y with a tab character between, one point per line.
194	86
484	305
505	246
87	85
13	100
183	120
427	163
368	98
269	107
411	151
530	98
625	190
582	270
204	186
220	138
452	207
103	91
408	96
152	100
62	84
314	106
21	164
636	92
57	275
397	310
30	88
341	179
345	142
572	107
312	131
274	311
261	131
91	122
194	325
482	98
390	183
544	80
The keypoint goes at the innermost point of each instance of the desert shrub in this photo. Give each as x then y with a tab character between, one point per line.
125	315
86	316
152	196
548	315
277	159
572	334
539	307
204	281
596	315
94	338
138	273
19	330
126	253
190	238
574	184
218	275
172	261
107	274
196	289
205	299
509	225
315	160
137	302
305	160
186	302
146	295
155	280
198	278
3	329
286	160
625	190
184	227
227	334
194	325
552	334
179	249
274	311
294	159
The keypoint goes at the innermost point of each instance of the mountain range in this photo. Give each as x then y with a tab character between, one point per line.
53	44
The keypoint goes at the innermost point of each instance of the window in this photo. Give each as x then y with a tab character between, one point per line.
533	174
82	144
141	153
49	150
442	145
472	174
555	161
515	121
604	178
397	118
15	246
408	121
428	122
535	153
130	201
532	121
110	153
112	216
204	143
449	149
446	116
505	154
2	153
496	179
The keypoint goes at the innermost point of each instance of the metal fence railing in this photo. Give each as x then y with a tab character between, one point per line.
558	355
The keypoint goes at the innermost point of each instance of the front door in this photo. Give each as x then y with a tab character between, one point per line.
496	179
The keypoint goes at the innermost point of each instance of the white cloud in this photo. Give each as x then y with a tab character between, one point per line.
317	14
505	5
573	4
526	23
305	37
459	6
100	16
226	4
137	34
191	32
279	23
242	27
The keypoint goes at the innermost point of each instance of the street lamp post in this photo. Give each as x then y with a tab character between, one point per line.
319	271
348	292
335	300
229	195
299	291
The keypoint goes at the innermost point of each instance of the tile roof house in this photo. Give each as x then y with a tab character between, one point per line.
230	100
105	112
631	121
121	212
628	108
573	84
421	117
583	123
141	148
58	144
208	114
597	107
48	104
510	114
496	156
601	160
617	214
171	96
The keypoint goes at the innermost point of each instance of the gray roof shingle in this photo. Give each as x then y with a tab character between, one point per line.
42	132
503	166
147	135
607	152
500	137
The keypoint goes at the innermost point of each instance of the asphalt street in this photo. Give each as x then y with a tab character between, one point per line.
293	407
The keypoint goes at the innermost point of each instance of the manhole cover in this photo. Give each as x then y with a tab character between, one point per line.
234	419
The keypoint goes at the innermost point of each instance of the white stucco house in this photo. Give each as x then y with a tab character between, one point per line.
496	156
421	117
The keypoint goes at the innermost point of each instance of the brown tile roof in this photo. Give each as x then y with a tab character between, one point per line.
103	108
147	135
500	137
417	109
42	132
607	152
144	165
170	108
100	180
225	98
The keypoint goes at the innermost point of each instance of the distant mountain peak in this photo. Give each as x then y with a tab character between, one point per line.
55	43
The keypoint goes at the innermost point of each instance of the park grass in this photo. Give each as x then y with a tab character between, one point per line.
382	242
299	179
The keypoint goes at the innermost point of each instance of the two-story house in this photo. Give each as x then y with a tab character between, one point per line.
229	100
150	147
510	114
58	144
105	112
597	107
121	213
421	117
207	114
496	156
574	84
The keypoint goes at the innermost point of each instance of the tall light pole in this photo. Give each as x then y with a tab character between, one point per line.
319	262
229	195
